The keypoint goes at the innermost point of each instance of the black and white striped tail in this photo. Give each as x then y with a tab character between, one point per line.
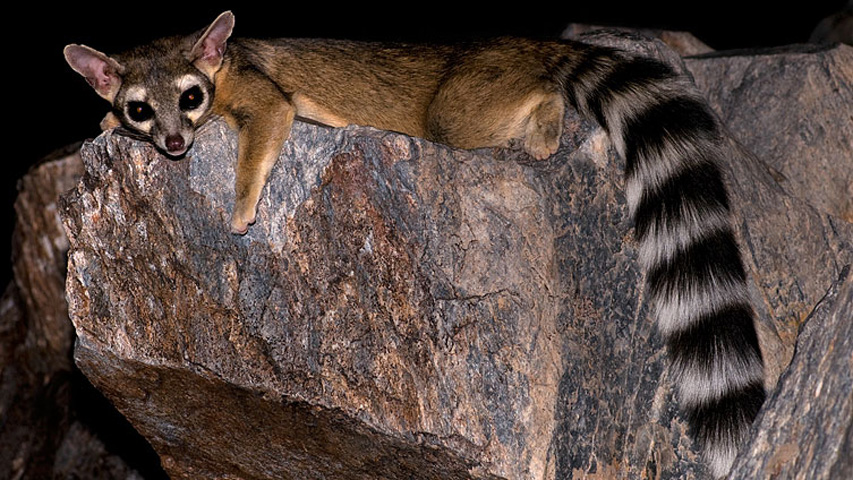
695	277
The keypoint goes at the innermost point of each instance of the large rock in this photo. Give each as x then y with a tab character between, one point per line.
791	107
35	332
363	326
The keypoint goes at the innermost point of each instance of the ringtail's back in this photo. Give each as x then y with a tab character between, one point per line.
488	94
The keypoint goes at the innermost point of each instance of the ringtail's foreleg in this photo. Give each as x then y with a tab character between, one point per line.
262	130
262	126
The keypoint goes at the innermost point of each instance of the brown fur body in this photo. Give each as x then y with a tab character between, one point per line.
432	92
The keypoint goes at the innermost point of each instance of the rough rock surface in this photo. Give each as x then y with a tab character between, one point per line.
41	435
365	312
806	430
790	107
39	261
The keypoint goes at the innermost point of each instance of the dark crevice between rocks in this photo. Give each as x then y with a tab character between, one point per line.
92	409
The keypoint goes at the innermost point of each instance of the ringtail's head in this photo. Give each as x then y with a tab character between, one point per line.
162	90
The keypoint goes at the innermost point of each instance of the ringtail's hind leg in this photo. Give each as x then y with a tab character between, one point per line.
543	127
534	119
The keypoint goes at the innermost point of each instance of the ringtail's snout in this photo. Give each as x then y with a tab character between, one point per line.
168	113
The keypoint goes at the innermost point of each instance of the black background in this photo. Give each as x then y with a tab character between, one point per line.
52	106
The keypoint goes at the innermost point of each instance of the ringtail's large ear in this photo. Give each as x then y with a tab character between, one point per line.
102	72
208	51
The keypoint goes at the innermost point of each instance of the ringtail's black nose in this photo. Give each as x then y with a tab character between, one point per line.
175	144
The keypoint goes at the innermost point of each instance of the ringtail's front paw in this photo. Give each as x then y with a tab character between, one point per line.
242	217
109	121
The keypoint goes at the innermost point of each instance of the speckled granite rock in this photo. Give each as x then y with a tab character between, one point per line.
806	430
791	107
41	434
366	302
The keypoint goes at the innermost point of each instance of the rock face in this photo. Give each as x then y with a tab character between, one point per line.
405	310
813	406
35	332
363	327
41	432
800	97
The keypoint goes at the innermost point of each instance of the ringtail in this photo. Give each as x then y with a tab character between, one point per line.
494	93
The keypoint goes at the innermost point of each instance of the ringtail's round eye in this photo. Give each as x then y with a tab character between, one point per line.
191	99
139	111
